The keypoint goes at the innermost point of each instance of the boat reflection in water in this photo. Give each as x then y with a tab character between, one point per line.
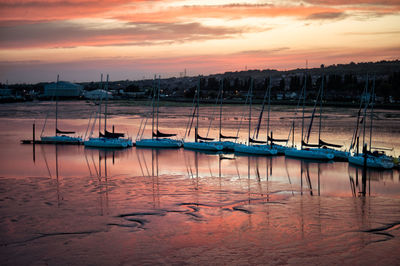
171	206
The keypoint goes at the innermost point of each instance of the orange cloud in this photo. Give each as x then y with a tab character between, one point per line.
67	34
223	12
11	10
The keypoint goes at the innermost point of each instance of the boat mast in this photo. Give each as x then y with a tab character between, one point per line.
372	112
269	108
220	109
197	107
251	96
152	104
320	109
57	104
105	108
158	100
304	101
100	100
365	110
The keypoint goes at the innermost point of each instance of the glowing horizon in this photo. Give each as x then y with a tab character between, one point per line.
135	39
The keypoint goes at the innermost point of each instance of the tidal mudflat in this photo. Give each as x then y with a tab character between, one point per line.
63	205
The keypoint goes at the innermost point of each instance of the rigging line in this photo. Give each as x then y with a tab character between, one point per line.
93	125
257	129
144	127
191	122
213	114
307	137
87	128
143	121
47	115
355	134
140	128
188	123
295	114
243	114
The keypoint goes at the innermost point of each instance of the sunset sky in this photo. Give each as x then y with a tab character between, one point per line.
79	39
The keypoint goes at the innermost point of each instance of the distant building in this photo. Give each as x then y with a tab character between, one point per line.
97	94
63	89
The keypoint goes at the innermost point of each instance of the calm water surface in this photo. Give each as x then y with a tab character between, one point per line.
64	205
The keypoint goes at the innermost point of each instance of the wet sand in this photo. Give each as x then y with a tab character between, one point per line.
64	205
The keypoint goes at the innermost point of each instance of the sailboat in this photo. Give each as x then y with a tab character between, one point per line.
249	148
158	139
323	146
271	142
200	143
376	159
306	153
108	139
222	139
61	136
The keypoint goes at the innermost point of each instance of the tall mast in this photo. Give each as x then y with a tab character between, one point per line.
304	101
320	109
197	118
372	113
220	109
269	106
250	96
158	100
152	105
100	100
57	103
365	111
105	108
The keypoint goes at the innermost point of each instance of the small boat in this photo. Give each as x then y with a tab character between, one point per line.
200	143
107	143
226	144
158	139
108	139
305	152
252	146
60	137
376	159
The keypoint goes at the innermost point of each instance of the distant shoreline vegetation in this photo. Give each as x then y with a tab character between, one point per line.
343	85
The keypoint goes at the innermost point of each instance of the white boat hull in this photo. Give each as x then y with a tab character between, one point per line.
61	139
205	146
313	154
159	143
372	161
255	149
106	143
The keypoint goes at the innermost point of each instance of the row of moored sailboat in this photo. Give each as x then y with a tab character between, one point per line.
320	151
